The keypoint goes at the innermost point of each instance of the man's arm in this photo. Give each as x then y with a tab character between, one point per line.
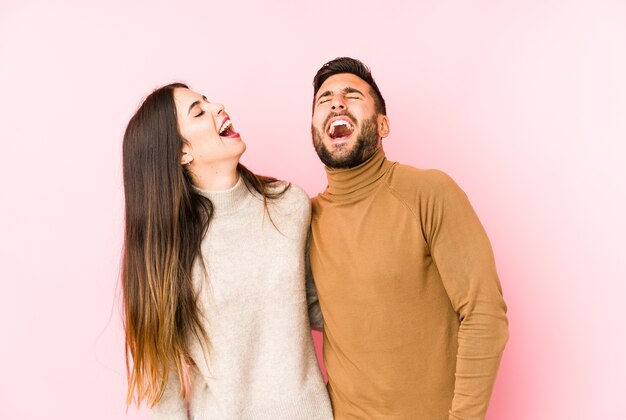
315	312
463	255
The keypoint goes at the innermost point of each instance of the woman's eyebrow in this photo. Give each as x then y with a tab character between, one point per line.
196	103
192	105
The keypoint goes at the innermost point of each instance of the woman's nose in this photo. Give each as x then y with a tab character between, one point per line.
217	109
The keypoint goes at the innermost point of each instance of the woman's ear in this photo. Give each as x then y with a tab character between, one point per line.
186	158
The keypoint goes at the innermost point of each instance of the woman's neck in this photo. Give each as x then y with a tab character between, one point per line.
215	177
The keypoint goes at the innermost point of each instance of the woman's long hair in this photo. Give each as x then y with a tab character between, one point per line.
166	220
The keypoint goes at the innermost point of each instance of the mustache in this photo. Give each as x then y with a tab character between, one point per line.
340	114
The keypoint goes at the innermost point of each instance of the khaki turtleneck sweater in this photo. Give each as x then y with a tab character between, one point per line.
414	319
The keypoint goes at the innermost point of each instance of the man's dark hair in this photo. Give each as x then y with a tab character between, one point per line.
349	65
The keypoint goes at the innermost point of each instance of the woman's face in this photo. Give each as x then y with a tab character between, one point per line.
210	135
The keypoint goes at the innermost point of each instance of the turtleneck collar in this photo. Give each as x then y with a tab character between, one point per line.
229	200
360	178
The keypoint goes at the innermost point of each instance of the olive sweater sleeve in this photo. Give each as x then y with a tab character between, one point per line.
315	313
462	253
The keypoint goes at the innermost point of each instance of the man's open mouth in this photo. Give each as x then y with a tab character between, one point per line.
340	128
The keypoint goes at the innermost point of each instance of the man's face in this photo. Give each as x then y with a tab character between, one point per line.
346	129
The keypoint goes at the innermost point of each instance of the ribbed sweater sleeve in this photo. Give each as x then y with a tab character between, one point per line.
315	312
171	406
463	255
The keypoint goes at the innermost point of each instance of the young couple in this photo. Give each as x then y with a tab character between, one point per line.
218	303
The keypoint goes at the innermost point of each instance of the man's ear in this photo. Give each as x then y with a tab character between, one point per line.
383	126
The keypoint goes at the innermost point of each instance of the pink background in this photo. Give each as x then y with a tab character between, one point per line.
523	103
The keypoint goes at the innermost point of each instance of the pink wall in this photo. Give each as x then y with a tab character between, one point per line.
523	104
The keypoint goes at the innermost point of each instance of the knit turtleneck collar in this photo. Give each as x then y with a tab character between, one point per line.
359	178
229	200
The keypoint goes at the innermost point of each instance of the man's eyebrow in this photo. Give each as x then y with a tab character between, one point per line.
196	103
345	91
352	90
327	93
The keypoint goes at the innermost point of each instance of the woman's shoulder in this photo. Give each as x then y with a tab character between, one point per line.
290	199
289	192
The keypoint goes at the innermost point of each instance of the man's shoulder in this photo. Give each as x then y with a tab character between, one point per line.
409	179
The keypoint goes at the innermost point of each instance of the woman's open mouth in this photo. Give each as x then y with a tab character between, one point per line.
227	130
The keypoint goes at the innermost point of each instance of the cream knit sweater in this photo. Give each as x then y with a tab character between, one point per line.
261	362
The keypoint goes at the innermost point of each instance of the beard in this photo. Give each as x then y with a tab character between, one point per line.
342	157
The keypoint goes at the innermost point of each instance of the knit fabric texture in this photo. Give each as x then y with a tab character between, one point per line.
414	319
260	363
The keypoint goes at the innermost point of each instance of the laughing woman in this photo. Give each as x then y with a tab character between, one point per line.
213	272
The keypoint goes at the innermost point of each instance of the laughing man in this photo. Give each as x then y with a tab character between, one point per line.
414	319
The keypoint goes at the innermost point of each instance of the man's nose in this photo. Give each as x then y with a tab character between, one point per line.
338	104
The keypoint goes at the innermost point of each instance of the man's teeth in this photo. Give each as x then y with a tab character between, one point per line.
225	126
337	123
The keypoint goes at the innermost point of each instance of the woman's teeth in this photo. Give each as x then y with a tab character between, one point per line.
225	127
